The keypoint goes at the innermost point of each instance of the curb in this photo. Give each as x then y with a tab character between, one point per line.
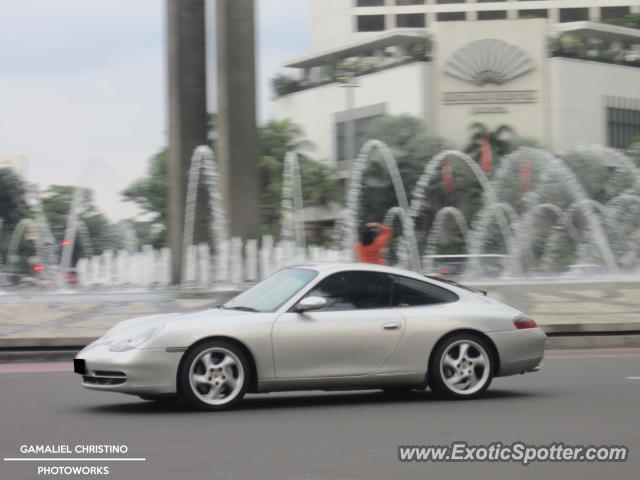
608	340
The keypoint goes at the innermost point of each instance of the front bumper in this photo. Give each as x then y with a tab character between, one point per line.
520	351
140	371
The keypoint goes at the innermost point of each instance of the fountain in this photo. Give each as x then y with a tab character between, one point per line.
70	233
203	165
45	244
553	216
436	228
292	224
351	221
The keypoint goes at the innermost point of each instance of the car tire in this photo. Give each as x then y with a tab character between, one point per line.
461	367
214	375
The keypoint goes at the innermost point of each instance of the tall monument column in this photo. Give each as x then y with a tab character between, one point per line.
187	110
237	138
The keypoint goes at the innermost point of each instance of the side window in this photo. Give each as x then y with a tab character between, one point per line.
354	291
408	292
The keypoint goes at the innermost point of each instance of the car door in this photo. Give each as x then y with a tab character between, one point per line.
354	334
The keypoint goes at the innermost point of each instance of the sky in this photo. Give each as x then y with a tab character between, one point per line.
83	87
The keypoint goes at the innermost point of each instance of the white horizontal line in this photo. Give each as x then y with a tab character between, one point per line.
61	459
633	378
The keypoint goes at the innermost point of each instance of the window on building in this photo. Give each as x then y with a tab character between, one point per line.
574	14
360	127
370	3
623	123
492	15
610	13
370	23
538	13
410	20
450	16
409	2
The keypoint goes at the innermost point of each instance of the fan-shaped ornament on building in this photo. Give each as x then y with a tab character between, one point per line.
488	61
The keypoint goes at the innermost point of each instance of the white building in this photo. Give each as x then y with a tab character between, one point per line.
548	68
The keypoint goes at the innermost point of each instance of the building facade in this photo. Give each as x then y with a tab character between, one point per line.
550	69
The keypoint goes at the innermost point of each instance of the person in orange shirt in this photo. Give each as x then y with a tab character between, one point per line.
373	238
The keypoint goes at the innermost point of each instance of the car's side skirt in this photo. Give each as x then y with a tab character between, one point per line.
356	382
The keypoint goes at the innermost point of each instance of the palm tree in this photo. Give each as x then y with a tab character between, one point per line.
278	137
499	139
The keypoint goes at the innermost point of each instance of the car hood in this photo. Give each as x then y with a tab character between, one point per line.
133	326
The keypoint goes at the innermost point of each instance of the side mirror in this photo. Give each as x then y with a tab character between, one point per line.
311	303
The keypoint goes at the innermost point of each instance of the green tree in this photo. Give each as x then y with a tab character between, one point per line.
319	185
412	148
630	21
283	84
13	205
56	204
501	139
276	138
150	192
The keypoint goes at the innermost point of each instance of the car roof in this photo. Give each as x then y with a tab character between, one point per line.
367	267
333	267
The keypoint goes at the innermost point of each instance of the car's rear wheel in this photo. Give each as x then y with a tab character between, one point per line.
461	367
214	375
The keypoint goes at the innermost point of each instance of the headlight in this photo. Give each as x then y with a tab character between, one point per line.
136	340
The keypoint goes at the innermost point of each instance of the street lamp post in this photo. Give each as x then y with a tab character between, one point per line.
350	84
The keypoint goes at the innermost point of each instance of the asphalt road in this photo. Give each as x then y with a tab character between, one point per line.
579	398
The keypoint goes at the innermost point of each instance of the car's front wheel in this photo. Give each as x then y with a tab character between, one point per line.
461	367
214	375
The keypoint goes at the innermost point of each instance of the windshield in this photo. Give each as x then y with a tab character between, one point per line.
270	294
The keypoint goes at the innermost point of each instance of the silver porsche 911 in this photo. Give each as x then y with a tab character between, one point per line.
322	326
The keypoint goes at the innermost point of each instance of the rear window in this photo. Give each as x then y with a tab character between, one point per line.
408	292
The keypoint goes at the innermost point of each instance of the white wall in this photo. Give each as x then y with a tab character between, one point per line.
578	89
331	23
528	118
402	90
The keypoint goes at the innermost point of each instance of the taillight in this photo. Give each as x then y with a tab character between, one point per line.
524	322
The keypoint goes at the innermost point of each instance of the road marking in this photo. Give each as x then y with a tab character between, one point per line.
587	354
633	378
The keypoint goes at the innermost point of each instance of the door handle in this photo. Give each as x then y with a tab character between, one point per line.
391	326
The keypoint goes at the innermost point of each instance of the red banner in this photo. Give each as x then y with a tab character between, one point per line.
447	176
486	159
526	176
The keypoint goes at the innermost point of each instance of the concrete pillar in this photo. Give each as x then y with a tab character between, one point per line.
473	15
237	139
187	110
